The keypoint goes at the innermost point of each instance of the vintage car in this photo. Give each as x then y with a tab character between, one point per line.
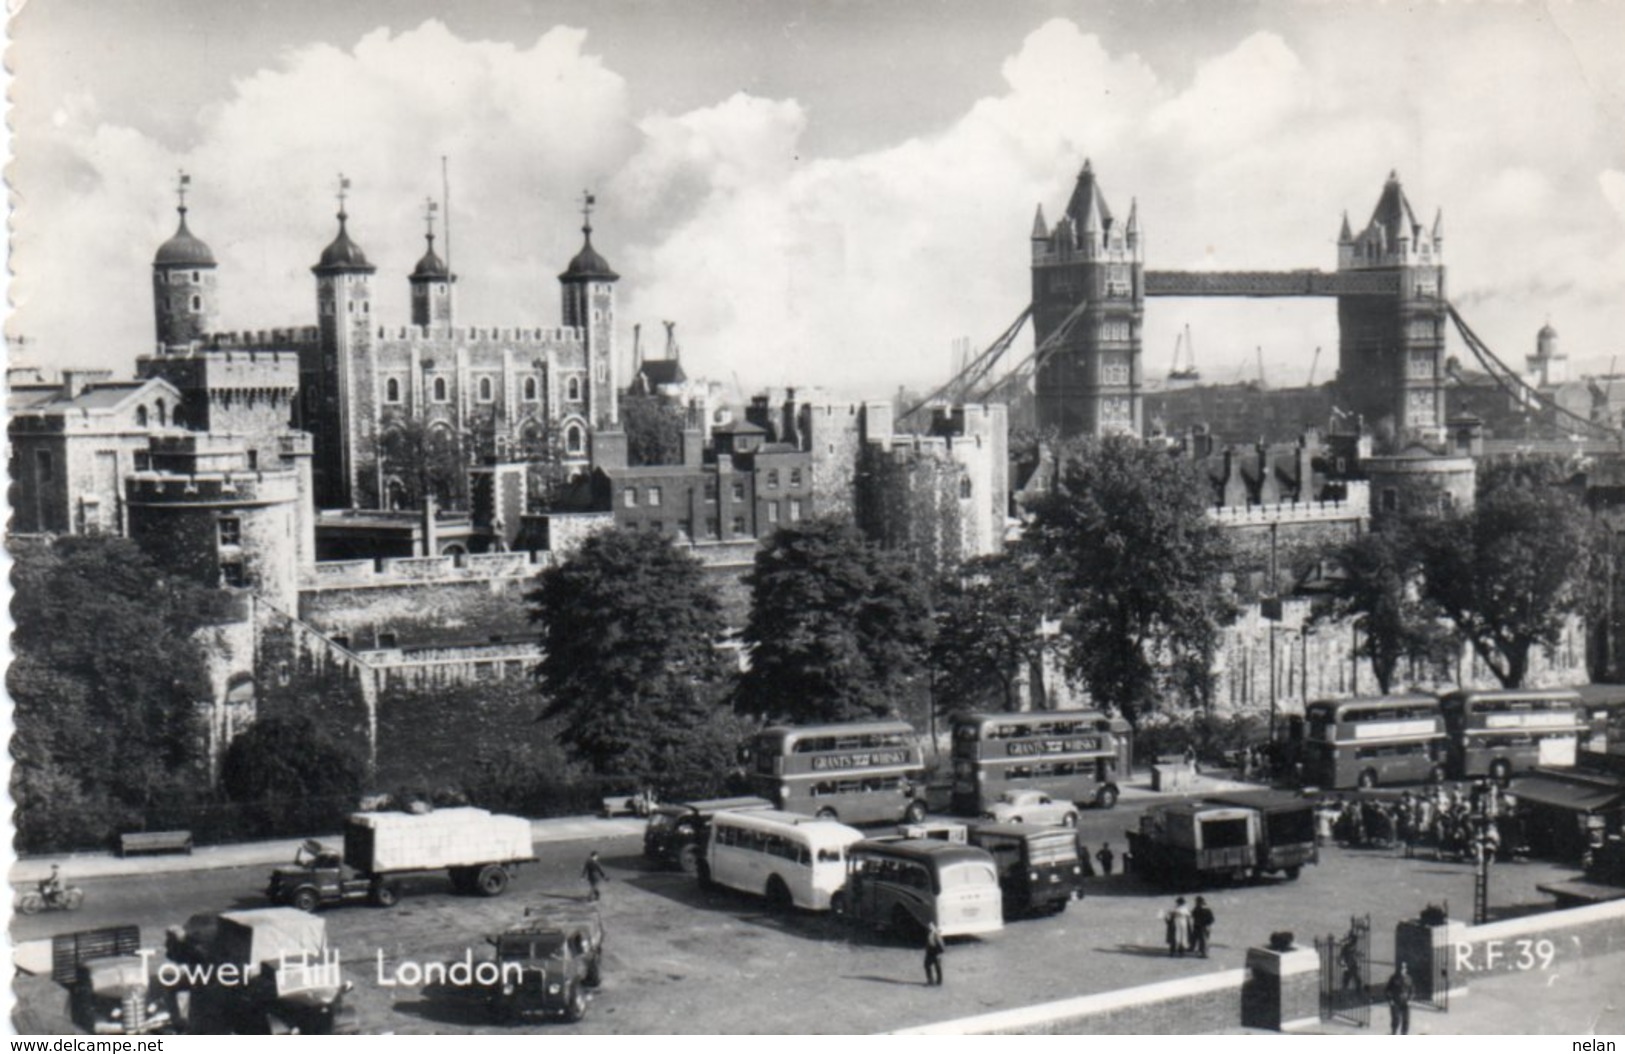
1031	807
111	992
546	962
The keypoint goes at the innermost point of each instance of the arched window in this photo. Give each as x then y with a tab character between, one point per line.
572	389
141	417
163	415
440	390
530	389
964	488
392	391
486	390
573	439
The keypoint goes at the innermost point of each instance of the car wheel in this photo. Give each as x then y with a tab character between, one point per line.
688	859
493	880
1106	797
1292	874
1069	820
577	1007
307	899
826	813
915	813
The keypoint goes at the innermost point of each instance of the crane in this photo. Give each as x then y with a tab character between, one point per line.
1263	382
1188	371
1312	364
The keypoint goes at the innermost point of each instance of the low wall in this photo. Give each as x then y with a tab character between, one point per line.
1545	943
1186	1005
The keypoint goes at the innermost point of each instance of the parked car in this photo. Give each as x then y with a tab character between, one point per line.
1029	806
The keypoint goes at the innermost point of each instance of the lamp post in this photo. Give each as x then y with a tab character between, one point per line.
1270	608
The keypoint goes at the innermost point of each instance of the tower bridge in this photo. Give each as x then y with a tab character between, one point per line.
1089	287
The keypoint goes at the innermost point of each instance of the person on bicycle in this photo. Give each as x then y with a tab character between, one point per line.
50	887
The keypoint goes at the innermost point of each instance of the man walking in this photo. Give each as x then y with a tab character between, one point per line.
1400	990
1201	923
934	948
1105	856
593	872
1179	928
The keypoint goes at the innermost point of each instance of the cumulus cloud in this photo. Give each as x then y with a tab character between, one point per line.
857	272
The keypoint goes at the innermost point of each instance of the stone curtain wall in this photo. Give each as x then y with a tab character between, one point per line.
423	605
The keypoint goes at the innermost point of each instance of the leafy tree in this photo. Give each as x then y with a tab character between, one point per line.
291	778
1138	570
838	628
1511	570
1379	587
629	632
987	631
107	676
654	430
415	459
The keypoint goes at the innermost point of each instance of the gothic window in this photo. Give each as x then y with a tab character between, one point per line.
600	371
487	391
1115	408
163	415
366	307
1114	329
1114	369
231	530
573	439
1420	409
572	389
530	389
1421	366
392	391
629	497
440	395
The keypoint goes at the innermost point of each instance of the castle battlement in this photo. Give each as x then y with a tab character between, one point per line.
531	335
408	570
257	487
1357	505
284	339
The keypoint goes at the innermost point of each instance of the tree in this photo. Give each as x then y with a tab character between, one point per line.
1379	588
290	778
629	634
1138	571
838	628
413	458
988	621
654	430
1509	572
107	678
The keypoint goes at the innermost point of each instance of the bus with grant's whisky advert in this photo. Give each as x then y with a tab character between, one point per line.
1498	733
1372	742
1072	755
857	772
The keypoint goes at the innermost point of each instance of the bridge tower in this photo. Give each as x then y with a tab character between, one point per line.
1089	266
1391	347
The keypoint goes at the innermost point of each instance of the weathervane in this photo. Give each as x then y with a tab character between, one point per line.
587	202
344	188
430	207
181	183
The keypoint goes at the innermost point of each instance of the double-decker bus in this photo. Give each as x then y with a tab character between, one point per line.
861	772
1498	733
1366	742
1073	755
792	860
905	884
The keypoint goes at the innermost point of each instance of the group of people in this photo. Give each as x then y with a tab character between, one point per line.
1452	821
1187	928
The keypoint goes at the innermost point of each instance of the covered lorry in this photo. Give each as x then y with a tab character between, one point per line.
1286	828
478	849
1190	843
261	971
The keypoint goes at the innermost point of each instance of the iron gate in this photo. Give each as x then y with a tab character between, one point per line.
1345	974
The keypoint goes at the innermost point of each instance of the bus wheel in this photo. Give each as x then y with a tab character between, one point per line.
826	813
1106	797
1500	771
1368	779
778	894
688	859
915	813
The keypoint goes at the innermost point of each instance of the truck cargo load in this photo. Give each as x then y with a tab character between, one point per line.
261	935
382	842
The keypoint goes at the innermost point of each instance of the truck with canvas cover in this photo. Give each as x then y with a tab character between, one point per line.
262	971
1040	871
110	991
1286	827
1191	843
479	850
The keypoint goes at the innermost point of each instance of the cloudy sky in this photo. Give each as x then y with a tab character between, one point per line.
817	193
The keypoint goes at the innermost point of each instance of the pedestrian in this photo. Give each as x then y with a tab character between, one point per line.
1400	990
593	872
1179	928
1190	757
1201	925
1349	955
1105	856
934	947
